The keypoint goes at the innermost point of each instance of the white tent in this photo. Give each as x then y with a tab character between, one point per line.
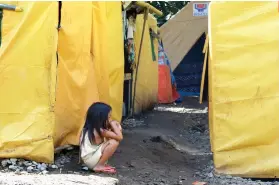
181	32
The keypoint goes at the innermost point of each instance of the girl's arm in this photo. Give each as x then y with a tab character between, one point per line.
115	133
116	127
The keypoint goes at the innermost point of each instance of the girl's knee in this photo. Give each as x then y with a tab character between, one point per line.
113	142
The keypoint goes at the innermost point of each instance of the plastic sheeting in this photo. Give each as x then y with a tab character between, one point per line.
244	69
164	85
108	53
115	58
147	81
90	68
100	52
76	81
91	64
28	68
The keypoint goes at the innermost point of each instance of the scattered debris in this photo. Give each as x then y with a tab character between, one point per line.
54	166
61	160
4	163
70	148
61	148
199	183
13	161
22	166
30	169
85	168
156	139
132	123
12	167
45	172
212	178
131	164
17	172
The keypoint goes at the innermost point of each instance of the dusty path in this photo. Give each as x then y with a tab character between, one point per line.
166	146
162	147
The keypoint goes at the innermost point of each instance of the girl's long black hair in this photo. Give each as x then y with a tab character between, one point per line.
96	119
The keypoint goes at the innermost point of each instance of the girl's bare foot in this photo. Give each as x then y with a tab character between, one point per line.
104	169
106	165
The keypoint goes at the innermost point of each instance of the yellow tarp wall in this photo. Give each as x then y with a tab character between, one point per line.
76	81
147	82
115	54
27	82
108	53
245	92
90	68
91	64
99	50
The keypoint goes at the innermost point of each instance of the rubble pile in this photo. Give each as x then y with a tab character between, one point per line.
21	166
208	175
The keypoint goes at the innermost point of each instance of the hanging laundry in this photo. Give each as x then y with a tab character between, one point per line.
131	50
164	60
129	42
130	34
161	55
152	45
167	92
124	20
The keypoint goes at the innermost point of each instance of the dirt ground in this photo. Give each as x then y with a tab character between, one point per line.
169	145
166	146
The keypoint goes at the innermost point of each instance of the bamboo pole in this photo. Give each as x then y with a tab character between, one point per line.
151	8
139	54
205	51
10	7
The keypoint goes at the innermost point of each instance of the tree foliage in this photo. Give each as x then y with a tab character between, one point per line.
169	9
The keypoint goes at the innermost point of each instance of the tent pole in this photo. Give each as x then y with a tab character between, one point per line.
139	54
1	17
6	7
150	8
10	7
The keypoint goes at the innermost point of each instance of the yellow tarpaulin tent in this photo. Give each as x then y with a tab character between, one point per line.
28	74
90	68
244	78
76	81
90	64
49	77
181	32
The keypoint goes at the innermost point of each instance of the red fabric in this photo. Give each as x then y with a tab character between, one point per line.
165	90
175	94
